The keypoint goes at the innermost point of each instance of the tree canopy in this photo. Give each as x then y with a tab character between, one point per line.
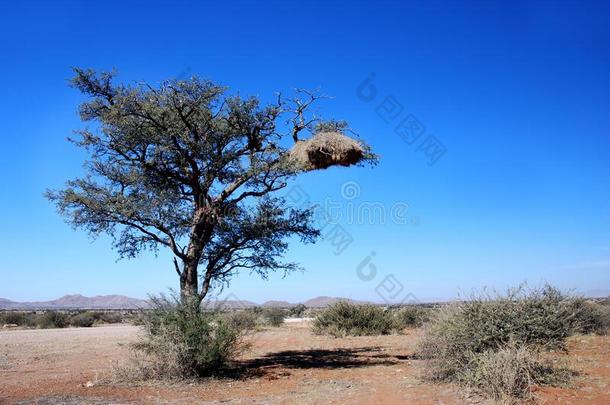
187	166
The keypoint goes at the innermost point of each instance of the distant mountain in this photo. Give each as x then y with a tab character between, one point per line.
77	301
277	304
324	301
229	304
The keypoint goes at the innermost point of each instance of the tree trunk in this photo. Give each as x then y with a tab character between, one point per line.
189	280
189	284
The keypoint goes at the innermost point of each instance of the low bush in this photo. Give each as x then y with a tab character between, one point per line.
487	342
82	320
274	316
14	318
297	311
591	317
345	319
58	319
241	320
52	319
539	317
181	342
510	372
107	316
412	316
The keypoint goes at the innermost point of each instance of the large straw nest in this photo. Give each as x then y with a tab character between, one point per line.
326	149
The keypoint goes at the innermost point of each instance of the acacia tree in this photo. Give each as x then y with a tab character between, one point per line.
186	166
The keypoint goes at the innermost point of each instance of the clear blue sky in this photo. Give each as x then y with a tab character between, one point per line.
518	93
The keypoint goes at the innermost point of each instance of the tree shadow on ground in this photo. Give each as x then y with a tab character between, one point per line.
314	359
401	357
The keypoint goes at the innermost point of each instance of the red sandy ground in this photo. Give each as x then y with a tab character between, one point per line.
287	365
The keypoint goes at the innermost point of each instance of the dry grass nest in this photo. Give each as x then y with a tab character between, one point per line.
326	149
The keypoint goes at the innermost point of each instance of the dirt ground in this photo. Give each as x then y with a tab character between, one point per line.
287	365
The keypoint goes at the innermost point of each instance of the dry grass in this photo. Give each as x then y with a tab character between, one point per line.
508	375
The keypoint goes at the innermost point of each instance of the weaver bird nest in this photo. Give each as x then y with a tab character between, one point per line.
326	149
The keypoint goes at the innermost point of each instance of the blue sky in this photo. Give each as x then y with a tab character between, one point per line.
518	94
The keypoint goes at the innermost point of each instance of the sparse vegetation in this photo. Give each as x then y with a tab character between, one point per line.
412	316
82	320
61	319
14	318
52	319
242	319
180	342
106	317
345	319
274	316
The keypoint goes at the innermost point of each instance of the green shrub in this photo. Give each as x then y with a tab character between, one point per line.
181	342
241	320
539	317
52	319
274	316
412	316
591	317
297	311
345	319
13	318
56	319
106	316
82	320
464	339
